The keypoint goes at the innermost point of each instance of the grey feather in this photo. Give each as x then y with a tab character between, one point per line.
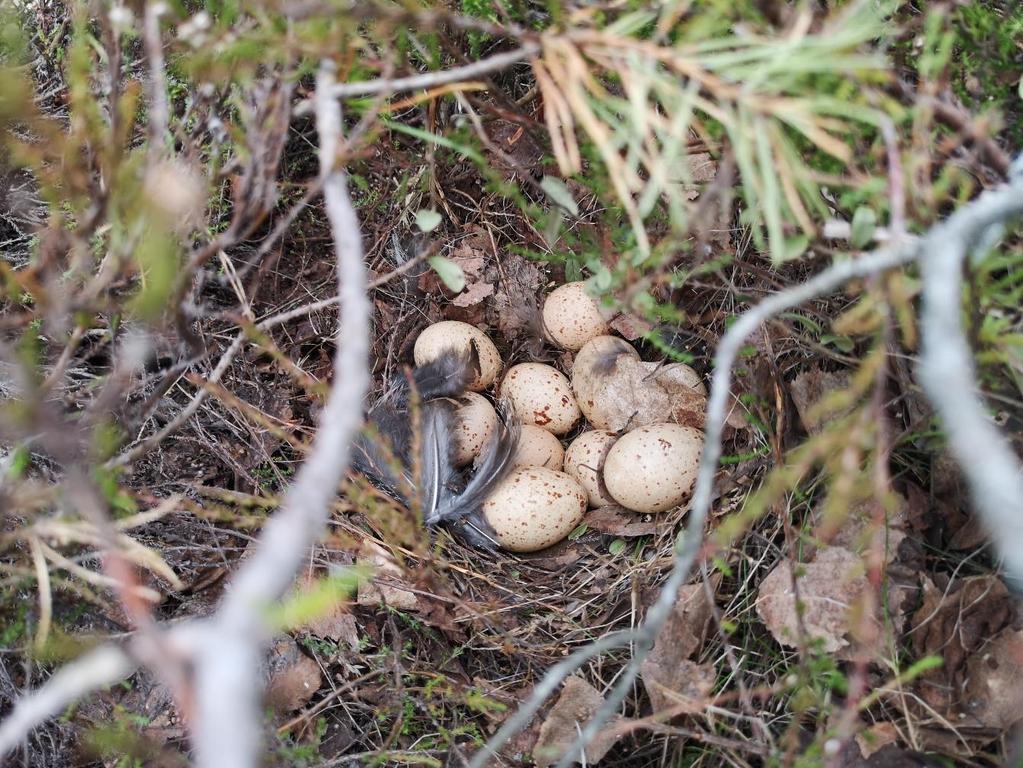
445	497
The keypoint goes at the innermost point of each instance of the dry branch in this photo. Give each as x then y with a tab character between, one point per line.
105	665
443	77
947	372
227	726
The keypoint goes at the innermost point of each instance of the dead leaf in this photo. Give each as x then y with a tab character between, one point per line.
575	706
618	521
876	737
954	623
858	532
386	572
994	682
830	585
514	309
473	294
293	676
809	388
630	326
669	678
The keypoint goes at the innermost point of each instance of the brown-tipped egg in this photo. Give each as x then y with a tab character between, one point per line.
462	338
540	395
533	508
584	461
572	317
475	423
653	468
538	448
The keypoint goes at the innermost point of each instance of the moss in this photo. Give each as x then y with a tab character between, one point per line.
986	71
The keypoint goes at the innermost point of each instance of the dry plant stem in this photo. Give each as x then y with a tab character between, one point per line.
227	725
103	666
433	79
948	375
689	542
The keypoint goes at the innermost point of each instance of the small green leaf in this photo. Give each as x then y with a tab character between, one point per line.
864	223
20	459
559	194
427	220
841	343
617	546
449	272
578	532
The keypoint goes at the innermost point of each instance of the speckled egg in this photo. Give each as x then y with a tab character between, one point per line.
533	508
572	317
653	468
538	448
461	337
584	461
541	395
475	423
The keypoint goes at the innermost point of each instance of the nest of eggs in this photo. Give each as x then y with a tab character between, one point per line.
589	503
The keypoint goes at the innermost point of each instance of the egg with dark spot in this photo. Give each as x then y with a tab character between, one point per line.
541	395
533	508
653	468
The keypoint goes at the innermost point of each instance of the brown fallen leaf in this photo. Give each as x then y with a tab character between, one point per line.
619	521
293	676
575	706
993	697
670	679
855	529
473	294
630	326
830	588
875	738
514	308
954	623
385	569
808	389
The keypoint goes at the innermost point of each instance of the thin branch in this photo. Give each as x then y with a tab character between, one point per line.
97	668
689	542
159	109
227	725
433	79
948	374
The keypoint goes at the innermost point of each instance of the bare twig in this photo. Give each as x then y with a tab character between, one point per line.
948	375
433	79
103	666
227	726
689	542
159	110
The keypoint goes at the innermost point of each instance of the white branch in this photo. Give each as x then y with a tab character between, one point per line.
443	77
100	667
947	373
228	713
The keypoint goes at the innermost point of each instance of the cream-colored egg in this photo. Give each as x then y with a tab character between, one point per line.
538	448
540	395
460	337
584	460
653	468
572	317
533	508
475	423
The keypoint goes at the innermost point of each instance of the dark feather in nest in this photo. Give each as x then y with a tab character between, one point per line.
418	413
